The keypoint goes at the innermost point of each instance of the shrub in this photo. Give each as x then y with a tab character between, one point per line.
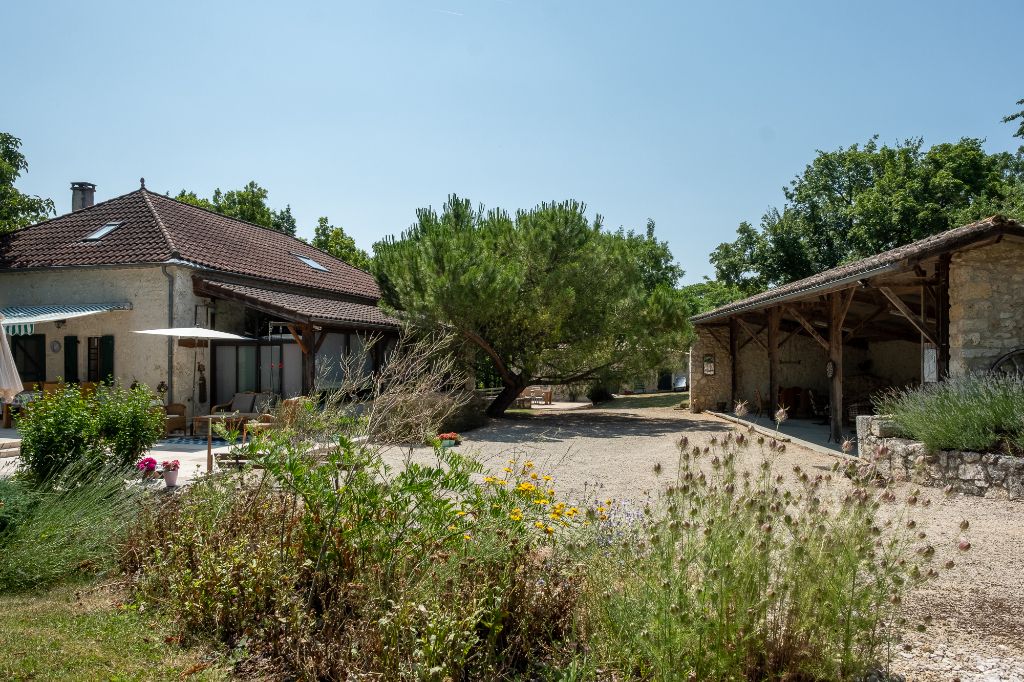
113	425
738	579
71	526
58	429
17	497
599	393
977	412
128	422
339	566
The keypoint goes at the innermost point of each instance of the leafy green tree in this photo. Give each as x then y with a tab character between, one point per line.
248	204
710	294
1019	116
16	208
336	242
863	199
548	295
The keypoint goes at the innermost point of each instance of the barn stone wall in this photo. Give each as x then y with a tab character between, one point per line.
708	392
986	299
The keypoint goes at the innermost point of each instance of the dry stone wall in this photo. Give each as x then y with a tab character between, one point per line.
989	474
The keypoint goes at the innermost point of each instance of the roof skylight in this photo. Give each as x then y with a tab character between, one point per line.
102	232
311	263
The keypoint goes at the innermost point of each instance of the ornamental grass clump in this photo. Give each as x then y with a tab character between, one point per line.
977	412
737	576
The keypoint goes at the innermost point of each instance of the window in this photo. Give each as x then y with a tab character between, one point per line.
311	263
100	358
29	353
102	232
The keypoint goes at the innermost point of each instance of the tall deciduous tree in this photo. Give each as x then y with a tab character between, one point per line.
857	201
334	241
548	295
248	203
16	208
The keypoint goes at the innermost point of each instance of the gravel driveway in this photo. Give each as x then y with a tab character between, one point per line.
977	607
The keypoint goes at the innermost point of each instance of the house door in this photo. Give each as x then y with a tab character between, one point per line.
29	353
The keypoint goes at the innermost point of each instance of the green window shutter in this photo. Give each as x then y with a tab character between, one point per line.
71	359
106	358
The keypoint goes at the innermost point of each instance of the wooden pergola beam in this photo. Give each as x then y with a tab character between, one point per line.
808	326
754	336
905	310
871	317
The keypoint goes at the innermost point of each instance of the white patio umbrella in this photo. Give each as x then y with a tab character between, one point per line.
192	333
10	382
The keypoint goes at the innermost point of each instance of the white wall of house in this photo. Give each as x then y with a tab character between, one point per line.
137	357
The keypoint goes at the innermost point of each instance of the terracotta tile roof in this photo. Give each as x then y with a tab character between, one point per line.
157	229
299	307
944	242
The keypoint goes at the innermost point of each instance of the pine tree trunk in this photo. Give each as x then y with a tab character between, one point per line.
506	397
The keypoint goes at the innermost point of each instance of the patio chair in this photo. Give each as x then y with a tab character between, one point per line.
174	418
818	409
286	416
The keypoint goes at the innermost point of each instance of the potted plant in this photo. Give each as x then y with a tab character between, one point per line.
449	439
147	465
170	470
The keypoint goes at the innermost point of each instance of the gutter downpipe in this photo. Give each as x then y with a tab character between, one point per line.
170	339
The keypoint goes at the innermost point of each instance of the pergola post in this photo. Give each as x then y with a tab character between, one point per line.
837	313
774	318
734	333
942	316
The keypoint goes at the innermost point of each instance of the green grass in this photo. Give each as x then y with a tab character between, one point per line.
640	401
84	634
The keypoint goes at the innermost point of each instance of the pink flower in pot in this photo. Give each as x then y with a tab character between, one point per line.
170	469
147	465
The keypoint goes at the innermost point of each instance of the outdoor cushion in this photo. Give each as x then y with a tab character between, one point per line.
242	402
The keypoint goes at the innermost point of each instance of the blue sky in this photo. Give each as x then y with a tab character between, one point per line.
693	114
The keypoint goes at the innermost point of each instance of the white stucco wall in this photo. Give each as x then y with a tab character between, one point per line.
137	357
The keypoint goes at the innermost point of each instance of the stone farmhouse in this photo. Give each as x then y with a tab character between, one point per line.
947	305
74	289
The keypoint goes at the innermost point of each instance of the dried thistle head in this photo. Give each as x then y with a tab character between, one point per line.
741	409
781	415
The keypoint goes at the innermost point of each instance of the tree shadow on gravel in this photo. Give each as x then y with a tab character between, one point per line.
567	426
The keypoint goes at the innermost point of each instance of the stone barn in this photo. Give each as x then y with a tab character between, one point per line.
946	305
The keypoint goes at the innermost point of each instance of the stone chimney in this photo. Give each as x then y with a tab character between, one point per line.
83	195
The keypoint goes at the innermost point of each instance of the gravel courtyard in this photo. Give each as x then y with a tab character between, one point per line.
977	607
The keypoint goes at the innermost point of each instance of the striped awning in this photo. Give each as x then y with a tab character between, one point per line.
21	320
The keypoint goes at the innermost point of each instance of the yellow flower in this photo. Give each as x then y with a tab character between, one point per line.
604	517
533	475
517	510
541	501
551	492
549	530
460	513
451	527
608	502
538	524
547	478
515	517
601	510
528	464
489	479
507	470
467	536
554	515
511	461
526	487
501	481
